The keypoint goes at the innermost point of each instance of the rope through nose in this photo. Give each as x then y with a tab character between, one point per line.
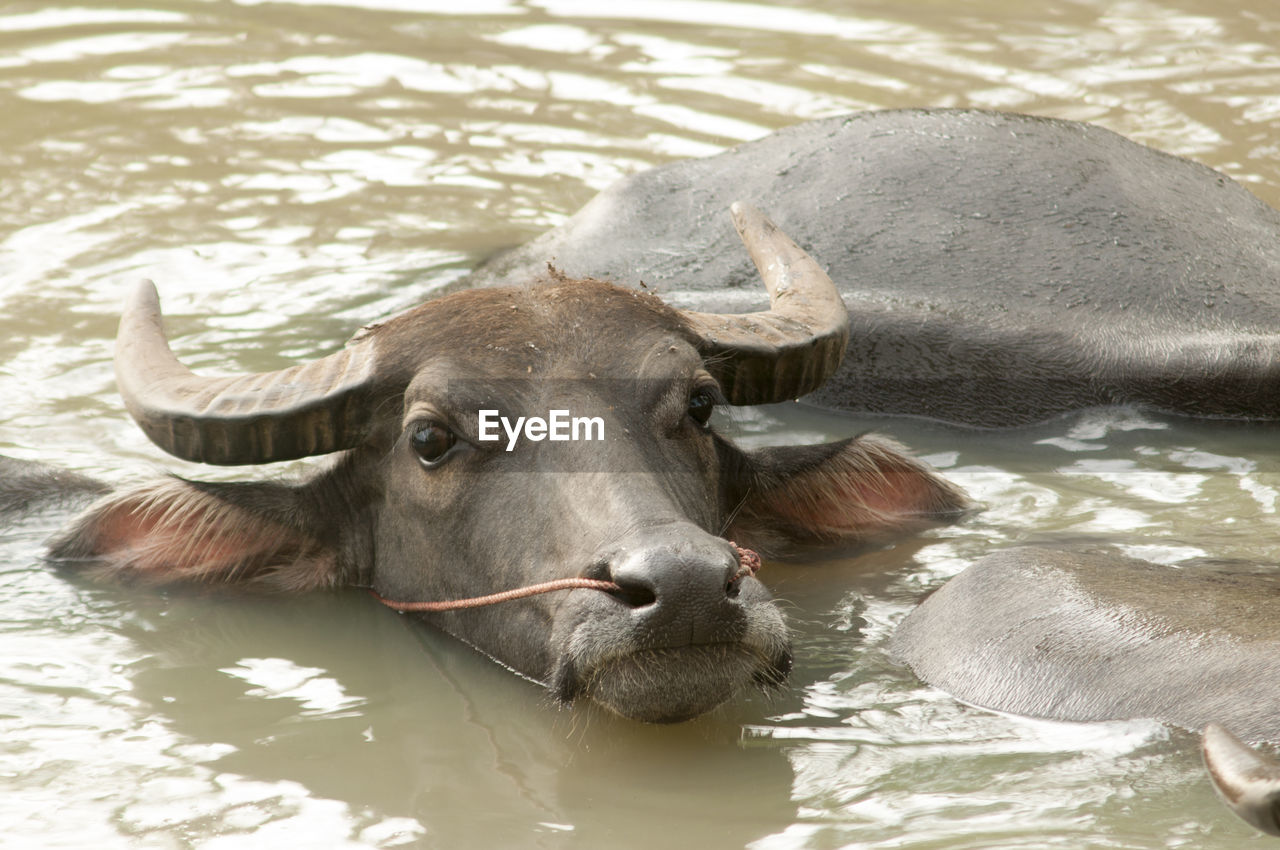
748	562
748	565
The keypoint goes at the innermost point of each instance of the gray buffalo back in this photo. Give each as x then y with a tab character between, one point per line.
999	268
1090	637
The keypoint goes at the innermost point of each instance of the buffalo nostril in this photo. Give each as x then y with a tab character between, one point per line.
632	594
632	591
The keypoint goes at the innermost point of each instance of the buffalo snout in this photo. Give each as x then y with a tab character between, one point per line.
687	630
679	590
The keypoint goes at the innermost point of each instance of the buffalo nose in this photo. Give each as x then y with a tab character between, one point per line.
678	588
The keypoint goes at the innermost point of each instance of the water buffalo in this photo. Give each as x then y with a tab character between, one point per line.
964	241
417	507
1000	269
1098	636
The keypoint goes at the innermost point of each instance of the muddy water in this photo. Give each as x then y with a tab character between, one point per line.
288	171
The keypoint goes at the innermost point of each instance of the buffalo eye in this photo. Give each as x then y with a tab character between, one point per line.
701	403
431	441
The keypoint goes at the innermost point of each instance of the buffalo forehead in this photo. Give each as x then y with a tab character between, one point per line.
568	329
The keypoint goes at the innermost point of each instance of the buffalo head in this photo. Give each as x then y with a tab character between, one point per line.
417	506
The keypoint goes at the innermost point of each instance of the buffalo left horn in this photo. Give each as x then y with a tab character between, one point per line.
310	409
789	349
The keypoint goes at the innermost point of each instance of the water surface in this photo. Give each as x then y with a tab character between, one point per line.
288	171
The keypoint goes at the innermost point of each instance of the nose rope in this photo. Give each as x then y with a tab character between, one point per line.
748	565
748	562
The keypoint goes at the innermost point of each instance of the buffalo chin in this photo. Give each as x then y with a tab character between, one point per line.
671	685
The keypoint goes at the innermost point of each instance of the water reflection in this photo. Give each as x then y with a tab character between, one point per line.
289	171
399	721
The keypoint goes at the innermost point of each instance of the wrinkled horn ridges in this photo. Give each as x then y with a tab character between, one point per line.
311	409
790	349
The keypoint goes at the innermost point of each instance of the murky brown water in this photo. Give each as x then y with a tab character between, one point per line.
288	171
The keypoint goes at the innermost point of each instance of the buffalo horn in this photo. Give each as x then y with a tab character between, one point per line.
311	409
789	349
1247	781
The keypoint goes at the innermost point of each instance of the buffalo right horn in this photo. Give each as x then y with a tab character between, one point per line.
789	349
311	409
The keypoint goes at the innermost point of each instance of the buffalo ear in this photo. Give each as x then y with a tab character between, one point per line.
857	491
173	531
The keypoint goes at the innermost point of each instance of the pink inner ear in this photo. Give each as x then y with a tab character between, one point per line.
844	501
869	490
183	542
172	533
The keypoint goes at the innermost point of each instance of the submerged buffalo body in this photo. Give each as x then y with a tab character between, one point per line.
1099	636
964	241
418	507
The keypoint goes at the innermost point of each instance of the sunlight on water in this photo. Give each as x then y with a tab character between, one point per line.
761	17
280	678
288	171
